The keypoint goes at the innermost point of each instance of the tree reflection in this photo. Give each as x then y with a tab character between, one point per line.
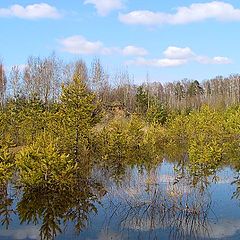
53	209
154	201
6	209
144	200
236	182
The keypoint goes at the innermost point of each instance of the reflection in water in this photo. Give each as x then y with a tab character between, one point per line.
141	204
28	232
52	209
236	182
108	235
153	201
224	229
6	210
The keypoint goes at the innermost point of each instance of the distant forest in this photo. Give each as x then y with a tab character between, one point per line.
43	78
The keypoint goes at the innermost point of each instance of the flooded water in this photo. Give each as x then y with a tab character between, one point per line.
161	203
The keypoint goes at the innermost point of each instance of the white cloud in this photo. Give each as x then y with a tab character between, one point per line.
176	56
142	18
178	53
104	7
214	60
173	56
194	13
164	62
34	11
134	51
80	45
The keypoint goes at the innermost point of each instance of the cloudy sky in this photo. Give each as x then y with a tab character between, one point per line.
170	40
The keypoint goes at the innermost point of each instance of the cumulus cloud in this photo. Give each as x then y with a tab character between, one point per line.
134	51
196	12
214	60
173	56
178	53
80	45
34	11
164	62
104	7
176	56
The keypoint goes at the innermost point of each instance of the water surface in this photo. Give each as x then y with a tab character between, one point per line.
160	203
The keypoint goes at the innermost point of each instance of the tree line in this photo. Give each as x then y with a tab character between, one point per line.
43	78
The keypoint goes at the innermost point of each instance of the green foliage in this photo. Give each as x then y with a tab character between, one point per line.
232	129
142	100
77	115
23	119
207	141
154	142
77	105
203	136
177	131
120	138
129	141
6	164
205	158
41	165
150	107
194	89
157	113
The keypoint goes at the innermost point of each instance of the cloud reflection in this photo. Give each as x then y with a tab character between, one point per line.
26	232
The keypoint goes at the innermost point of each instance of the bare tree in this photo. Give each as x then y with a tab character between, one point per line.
99	81
3	84
15	77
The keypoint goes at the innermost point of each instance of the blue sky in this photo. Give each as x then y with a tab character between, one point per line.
170	40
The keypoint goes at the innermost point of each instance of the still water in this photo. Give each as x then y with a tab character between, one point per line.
161	203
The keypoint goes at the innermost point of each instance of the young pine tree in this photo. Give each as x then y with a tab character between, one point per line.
78	108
